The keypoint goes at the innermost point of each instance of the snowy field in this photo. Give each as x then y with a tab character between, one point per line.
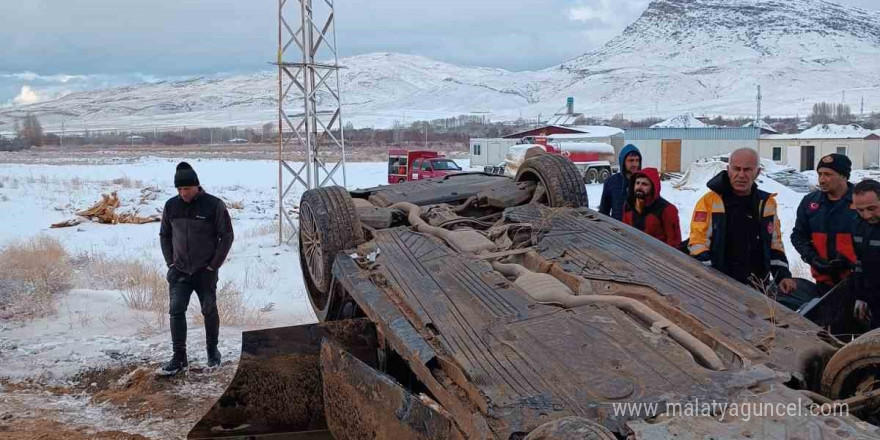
92	327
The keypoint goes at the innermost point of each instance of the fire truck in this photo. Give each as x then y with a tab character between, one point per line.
406	165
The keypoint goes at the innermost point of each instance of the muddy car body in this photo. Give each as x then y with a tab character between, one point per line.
483	306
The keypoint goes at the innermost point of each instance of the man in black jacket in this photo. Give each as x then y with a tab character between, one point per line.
825	221
866	238
196	235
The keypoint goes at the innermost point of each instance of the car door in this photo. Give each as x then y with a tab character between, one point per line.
427	170
416	169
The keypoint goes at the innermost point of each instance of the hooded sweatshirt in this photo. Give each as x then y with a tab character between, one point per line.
615	188
656	217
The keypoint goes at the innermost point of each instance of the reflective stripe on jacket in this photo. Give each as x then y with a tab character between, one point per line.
824	229
708	230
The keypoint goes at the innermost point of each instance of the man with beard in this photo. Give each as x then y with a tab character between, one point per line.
735	228
825	221
614	191
866	238
646	211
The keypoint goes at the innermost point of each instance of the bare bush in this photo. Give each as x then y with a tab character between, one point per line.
233	308
127	182
265	228
36	271
142	284
76	183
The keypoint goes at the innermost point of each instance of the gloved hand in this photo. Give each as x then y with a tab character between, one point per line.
861	312
841	264
821	265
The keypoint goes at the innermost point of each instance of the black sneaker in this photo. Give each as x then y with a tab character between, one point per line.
172	367
213	357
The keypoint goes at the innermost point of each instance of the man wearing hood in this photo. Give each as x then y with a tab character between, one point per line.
646	211
196	235
735	228
615	189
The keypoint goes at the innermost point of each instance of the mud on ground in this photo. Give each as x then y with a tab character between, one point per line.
126	403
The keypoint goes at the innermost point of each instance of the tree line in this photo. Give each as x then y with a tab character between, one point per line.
443	131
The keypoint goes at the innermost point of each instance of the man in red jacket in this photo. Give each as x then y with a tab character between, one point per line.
646	211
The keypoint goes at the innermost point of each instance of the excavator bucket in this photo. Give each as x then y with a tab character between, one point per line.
277	391
361	402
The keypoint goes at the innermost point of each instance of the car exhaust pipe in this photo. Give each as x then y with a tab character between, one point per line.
463	240
546	289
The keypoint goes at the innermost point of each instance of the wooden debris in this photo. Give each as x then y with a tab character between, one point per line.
67	223
105	212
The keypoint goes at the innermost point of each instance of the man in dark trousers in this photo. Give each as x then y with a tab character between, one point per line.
648	212
196	235
866	238
735	228
825	221
614	191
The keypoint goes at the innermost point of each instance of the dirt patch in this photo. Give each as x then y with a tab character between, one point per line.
41	429
138	393
126	398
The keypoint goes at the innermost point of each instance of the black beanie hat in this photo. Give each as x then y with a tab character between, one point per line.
185	176
837	162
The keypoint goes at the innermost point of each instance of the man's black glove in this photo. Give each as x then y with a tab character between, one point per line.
841	264
821	265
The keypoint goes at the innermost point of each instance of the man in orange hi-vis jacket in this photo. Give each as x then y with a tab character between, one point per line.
735	228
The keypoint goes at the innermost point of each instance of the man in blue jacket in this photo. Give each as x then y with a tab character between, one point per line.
614	192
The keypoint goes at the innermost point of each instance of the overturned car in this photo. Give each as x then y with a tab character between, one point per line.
484	306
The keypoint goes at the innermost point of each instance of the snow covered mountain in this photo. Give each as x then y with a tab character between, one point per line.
700	56
710	54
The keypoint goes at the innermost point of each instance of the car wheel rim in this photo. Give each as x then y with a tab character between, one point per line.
310	241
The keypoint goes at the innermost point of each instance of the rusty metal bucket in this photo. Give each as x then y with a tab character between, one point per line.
277	391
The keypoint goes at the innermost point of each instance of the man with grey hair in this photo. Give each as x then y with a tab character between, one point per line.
735	228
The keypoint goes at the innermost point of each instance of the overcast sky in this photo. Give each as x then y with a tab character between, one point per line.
48	45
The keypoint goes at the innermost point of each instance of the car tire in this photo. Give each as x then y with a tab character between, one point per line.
604	175
591	176
571	428
328	223
852	366
560	178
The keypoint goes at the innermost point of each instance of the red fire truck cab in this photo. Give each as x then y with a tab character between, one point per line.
406	165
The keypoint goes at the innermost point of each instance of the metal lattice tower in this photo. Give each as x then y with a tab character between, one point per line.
314	131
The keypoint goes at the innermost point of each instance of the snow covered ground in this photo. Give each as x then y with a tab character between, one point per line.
94	329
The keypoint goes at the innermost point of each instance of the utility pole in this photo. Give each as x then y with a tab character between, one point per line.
758	115
311	38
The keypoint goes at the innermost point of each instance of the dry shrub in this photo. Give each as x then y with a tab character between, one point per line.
232	306
76	183
126	182
142	284
263	229
35	273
